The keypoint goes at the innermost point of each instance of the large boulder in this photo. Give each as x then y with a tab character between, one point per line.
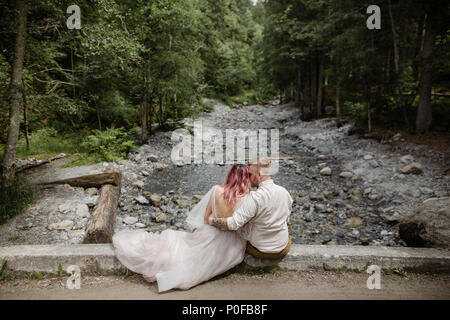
429	225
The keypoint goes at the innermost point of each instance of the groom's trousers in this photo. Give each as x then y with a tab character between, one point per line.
264	255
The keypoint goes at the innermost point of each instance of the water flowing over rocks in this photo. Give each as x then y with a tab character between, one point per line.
346	189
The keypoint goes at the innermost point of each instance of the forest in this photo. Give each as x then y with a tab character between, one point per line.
136	66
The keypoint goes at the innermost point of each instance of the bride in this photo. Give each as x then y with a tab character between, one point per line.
180	259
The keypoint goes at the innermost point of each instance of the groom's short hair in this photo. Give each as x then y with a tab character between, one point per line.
262	165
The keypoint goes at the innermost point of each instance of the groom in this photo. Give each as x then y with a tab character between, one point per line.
266	210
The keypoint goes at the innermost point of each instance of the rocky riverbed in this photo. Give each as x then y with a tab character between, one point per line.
346	190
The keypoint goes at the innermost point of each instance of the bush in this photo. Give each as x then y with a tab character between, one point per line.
15	199
354	110
111	144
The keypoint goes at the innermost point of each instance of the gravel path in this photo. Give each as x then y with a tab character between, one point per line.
279	285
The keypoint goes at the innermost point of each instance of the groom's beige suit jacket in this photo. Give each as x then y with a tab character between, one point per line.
267	210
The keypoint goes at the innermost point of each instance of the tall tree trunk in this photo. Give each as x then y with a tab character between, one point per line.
144	121
160	110
73	73
419	38
16	104
25	118
369	120
424	115
144	112
388	67
98	118
403	101
150	112
320	87
394	38
175	97
338	102
299	95
313	85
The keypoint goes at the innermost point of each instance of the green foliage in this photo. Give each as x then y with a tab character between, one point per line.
35	275
59	272
111	144
15	199
364	64
3	275
396	271
353	109
47	142
247	269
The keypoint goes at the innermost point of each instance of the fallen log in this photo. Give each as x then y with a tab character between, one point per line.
36	163
100	227
111	176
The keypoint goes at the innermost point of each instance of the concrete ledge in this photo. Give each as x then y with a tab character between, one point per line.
100	258
91	258
304	257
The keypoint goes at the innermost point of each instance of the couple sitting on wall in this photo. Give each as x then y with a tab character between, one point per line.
229	220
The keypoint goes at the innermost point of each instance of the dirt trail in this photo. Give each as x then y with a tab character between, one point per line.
238	286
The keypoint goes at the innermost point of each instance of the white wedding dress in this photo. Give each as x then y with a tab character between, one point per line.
180	259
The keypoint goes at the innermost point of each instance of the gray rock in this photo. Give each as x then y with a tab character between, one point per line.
320	207
140	225
428	225
82	210
425	190
346	174
317	197
161	217
413	168
354	222
63	225
130	220
155	199
397	137
392	218
368	157
138	184
142	200
91	191
65	208
328	194
92	201
374	164
325	171
197	197
416	193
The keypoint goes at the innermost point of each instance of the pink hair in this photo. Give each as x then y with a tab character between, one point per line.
237	183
